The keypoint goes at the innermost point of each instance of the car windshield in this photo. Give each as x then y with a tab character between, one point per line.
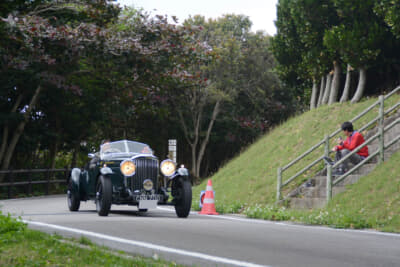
123	148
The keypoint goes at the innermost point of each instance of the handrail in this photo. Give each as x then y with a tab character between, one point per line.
303	170
302	155
33	170
395	90
326	140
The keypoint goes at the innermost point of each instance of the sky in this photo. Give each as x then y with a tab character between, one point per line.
262	13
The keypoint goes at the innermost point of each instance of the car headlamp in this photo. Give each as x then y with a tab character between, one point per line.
167	167
148	184
128	168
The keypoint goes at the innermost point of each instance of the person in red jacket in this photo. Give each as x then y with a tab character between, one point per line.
353	140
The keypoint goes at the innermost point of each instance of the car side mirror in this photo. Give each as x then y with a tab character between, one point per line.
91	155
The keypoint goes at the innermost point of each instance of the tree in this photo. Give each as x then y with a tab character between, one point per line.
312	19
39	45
223	40
389	10
241	98
358	37
298	45
119	70
288	50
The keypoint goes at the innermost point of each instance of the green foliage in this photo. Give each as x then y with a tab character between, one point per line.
240	93
271	212
85	241
389	10
360	35
333	218
9	225
312	34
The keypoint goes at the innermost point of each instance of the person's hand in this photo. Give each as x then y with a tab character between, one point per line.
334	148
339	141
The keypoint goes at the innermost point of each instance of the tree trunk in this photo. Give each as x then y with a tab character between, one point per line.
75	155
327	89
207	137
55	145
18	132
313	100
192	143
361	86
346	90
335	83
4	141
53	154
321	91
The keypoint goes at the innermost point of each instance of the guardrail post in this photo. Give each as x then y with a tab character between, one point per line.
328	183
66	176
279	184
29	193
48	181
11	181
381	129
326	153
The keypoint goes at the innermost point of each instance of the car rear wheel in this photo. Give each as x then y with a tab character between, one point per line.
103	196
182	197
72	197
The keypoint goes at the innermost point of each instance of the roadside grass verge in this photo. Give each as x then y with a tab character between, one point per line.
247	184
20	246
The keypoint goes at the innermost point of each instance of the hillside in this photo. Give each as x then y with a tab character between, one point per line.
249	179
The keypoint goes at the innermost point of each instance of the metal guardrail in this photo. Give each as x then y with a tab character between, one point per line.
326	140
28	181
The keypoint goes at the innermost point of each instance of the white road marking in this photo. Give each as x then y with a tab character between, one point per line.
260	221
148	245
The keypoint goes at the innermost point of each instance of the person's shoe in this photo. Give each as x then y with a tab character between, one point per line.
310	183
338	172
328	160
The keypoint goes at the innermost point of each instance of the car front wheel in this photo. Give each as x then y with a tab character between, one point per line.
183	198
103	196
72	197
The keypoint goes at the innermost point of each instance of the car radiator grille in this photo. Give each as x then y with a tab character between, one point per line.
145	169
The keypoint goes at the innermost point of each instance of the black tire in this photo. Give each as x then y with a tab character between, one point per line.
183	198
103	196
73	197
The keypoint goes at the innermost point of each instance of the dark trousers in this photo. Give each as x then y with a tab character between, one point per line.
355	159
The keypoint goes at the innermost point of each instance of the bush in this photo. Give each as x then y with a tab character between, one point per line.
10	225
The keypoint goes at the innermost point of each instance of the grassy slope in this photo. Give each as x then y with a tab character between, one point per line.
375	198
250	178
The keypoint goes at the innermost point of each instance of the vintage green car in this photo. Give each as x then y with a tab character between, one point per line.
127	173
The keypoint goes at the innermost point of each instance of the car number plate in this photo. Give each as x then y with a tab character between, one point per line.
148	197
147	204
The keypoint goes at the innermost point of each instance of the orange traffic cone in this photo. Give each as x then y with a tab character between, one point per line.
208	203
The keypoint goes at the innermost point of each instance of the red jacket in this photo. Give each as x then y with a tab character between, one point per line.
352	142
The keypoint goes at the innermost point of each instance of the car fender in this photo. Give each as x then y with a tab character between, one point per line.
75	176
106	170
181	172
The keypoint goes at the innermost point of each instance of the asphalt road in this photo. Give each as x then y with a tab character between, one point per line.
209	240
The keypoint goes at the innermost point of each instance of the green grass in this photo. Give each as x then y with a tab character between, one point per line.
20	246
248	182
